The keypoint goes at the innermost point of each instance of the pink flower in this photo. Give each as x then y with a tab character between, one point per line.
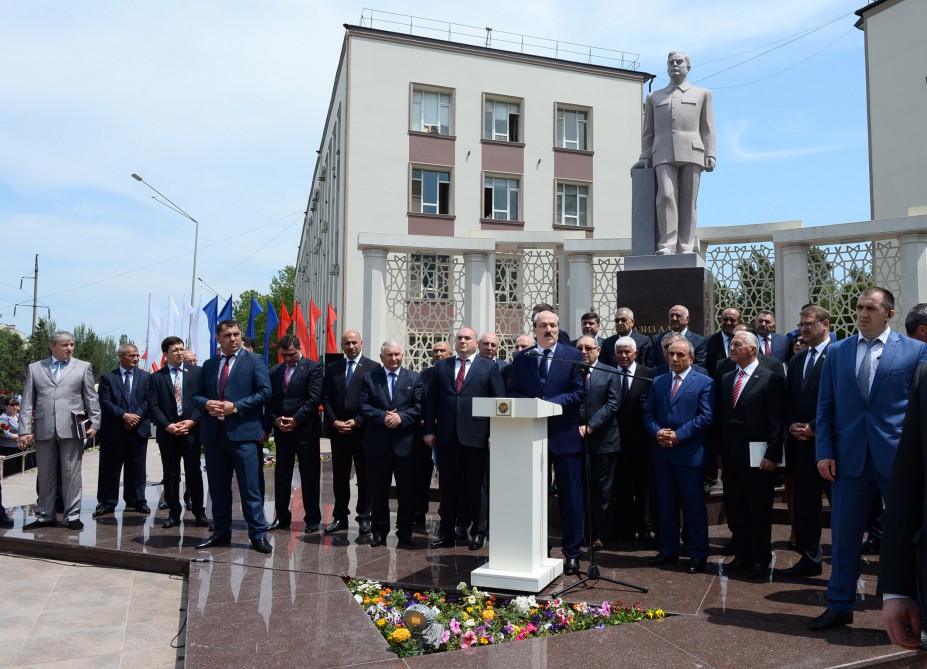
606	608
468	639
445	635
455	626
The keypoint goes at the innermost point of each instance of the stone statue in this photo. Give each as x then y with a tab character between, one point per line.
678	141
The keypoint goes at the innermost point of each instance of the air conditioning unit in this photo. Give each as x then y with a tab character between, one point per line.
432	128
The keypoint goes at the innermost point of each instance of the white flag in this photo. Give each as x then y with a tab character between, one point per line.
153	358
173	318
199	338
185	324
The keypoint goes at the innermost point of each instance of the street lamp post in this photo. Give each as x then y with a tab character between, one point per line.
167	202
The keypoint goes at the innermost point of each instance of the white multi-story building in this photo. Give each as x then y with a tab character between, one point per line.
466	148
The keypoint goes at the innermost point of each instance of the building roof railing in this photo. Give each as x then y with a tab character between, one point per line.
498	39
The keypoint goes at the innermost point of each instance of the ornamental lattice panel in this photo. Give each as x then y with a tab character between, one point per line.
522	280
745	277
603	289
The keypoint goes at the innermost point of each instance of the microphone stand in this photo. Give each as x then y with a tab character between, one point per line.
592	573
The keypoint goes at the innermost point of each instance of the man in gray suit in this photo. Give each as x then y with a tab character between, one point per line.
598	425
57	395
678	141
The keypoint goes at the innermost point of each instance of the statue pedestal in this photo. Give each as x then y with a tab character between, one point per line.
517	495
651	285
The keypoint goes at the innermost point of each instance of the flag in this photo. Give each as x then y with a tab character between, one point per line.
154	334
252	313
285	322
302	334
199	339
226	313
272	322
185	326
331	346
211	320
314	316
173	318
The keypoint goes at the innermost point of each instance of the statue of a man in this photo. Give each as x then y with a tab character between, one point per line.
678	141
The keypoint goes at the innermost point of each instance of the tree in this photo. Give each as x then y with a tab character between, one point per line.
280	290
100	352
14	359
38	342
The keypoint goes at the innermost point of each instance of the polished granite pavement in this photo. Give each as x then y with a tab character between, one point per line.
292	609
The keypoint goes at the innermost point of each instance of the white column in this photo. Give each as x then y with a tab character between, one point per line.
375	307
913	270
580	291
476	311
792	290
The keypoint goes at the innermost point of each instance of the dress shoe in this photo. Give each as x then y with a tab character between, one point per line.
142	507
5	521
75	524
734	565
477	542
648	539
871	546
571	567
598	544
377	540
311	528
261	545
365	526
215	540
336	525
830	619
103	510
202	520
803	568
277	525
163	506
39	524
758	570
662	558
696	566
188	505
442	543
170	522
405	539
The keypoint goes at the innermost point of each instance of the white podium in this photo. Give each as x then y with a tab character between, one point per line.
517	495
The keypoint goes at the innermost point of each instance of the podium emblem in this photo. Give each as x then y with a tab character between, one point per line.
503	408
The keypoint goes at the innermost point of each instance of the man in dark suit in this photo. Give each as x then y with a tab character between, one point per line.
391	404
522	343
231	392
343	381
718	344
750	409
861	405
170	405
424	455
550	371
663	368
460	439
563	337
772	345
624	327
634	482
915	323
678	413
679	323
296	387
488	348
124	432
902	567
598	426
590	324
804	380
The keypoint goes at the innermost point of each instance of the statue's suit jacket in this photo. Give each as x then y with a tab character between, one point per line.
680	128
49	407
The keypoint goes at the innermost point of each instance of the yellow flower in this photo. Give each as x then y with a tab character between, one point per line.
650	614
400	635
469	609
381	622
660	613
484	640
488	614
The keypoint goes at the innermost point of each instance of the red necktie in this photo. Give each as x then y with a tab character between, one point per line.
287	375
461	374
766	349
224	377
737	386
676	382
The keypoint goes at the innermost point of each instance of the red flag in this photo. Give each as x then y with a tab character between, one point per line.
331	346
314	315
302	333
284	326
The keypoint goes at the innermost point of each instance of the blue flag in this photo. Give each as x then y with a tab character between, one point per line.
272	323
211	320
252	313
226	313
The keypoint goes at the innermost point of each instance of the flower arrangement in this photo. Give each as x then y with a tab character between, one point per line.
473	618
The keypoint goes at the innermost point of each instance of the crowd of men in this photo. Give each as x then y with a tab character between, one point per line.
646	426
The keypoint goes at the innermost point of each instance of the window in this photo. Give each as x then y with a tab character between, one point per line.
429	277
572	205
507	280
572	126
431	192
431	111
500	199
500	121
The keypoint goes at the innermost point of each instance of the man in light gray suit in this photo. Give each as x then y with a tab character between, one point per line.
57	394
678	141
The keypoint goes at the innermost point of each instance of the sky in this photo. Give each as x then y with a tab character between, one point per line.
219	105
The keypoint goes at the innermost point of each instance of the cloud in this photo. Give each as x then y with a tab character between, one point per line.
734	133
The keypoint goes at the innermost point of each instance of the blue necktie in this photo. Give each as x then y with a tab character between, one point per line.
392	385
542	370
347	377
862	375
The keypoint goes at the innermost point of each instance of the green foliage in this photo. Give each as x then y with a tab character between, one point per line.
280	291
100	352
38	342
14	359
